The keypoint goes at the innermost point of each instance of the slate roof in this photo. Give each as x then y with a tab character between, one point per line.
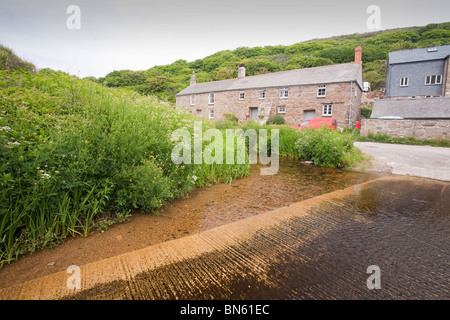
419	54
317	75
419	108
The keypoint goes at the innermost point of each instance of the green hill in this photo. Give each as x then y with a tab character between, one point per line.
10	61
165	81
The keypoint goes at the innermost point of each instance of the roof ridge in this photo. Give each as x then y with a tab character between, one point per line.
283	71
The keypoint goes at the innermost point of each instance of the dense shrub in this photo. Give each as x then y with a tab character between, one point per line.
276	120
71	150
366	111
231	117
327	148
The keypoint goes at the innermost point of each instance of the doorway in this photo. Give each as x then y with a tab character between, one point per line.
254	114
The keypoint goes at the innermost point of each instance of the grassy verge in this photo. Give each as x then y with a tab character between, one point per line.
383	138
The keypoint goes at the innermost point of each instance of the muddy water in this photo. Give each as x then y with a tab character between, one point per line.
294	182
203	209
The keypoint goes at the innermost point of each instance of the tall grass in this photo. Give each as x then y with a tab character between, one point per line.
72	150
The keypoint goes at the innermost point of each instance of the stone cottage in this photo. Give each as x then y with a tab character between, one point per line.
328	91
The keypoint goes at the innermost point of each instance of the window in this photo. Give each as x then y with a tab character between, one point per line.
199	112
241	95
433	79
192	100
211	98
284	93
321	91
211	113
262	94
327	110
281	109
404	82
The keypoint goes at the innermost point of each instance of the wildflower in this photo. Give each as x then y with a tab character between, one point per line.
5	128
46	176
194	177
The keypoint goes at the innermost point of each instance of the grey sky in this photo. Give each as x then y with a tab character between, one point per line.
139	34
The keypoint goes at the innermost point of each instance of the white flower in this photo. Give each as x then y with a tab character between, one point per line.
195	178
46	176
5	128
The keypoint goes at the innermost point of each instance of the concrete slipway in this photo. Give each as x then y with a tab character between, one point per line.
315	249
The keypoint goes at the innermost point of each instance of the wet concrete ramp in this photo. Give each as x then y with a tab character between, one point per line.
315	249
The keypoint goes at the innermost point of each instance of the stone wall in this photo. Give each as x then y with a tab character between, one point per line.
301	98
417	128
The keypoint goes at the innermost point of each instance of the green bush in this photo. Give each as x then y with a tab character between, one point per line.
326	148
71	150
231	117
366	111
276	120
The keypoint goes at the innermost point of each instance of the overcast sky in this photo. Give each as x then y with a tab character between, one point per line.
139	34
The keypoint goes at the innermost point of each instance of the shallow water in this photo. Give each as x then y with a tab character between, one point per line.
203	209
400	225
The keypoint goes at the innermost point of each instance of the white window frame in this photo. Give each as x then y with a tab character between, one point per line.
211	111
319	88
284	93
242	95
198	112
327	110
192	100
428	79
404	82
211	98
262	94
282	109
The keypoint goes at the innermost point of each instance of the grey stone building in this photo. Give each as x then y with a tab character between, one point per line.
328	91
418	90
421	72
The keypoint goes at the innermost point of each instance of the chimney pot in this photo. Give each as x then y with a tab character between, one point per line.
193	78
241	71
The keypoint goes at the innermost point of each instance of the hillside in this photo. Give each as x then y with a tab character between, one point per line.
11	62
165	81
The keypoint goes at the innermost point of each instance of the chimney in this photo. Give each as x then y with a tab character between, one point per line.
241	71
358	54
193	78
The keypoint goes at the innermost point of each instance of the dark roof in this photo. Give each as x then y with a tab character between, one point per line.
419	54
318	75
419	108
